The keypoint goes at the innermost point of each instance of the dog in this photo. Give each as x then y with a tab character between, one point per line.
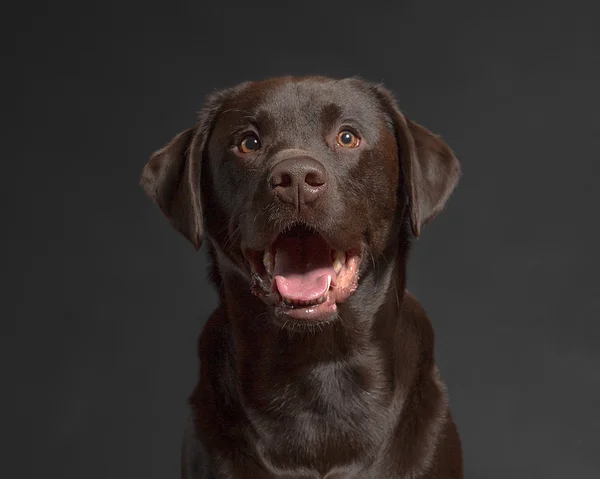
317	362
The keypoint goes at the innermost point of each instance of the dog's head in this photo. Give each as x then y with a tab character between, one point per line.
297	180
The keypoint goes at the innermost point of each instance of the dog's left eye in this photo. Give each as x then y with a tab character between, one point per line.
249	144
347	139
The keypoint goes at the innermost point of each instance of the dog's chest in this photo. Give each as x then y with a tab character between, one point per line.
329	417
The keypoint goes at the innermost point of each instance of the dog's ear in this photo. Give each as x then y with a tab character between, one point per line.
434	172
428	165
172	176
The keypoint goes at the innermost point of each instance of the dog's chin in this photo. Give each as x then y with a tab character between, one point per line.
303	277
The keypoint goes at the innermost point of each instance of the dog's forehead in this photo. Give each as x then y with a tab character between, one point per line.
311	100
314	96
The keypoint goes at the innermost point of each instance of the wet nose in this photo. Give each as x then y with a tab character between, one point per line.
298	180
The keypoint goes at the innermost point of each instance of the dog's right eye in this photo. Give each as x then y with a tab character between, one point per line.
249	144
347	139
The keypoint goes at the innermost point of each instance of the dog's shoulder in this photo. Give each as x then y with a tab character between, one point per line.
214	333
414	315
194	461
411	305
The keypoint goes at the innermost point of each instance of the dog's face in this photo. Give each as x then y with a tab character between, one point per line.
297	181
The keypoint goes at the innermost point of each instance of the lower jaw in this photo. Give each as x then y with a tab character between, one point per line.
313	314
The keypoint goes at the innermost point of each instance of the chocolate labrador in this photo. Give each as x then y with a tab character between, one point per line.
317	362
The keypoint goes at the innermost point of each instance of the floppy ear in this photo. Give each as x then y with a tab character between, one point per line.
172	179
172	176
428	165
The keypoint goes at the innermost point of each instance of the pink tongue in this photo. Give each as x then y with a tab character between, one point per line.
302	267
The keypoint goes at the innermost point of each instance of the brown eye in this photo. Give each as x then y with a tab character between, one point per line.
347	139
249	144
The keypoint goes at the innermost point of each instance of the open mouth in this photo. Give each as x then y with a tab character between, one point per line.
303	275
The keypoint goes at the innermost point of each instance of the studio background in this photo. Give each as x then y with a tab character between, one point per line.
104	301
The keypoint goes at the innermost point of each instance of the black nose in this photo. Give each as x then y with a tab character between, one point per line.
298	180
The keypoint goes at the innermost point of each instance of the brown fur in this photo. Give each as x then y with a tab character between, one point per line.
357	396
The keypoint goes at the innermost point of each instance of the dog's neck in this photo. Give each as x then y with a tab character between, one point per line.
342	376
367	323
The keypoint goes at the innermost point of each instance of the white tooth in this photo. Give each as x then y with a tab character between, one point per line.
337	265
268	262
328	283
339	260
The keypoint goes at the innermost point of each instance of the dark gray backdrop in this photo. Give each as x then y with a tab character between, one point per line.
96	372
